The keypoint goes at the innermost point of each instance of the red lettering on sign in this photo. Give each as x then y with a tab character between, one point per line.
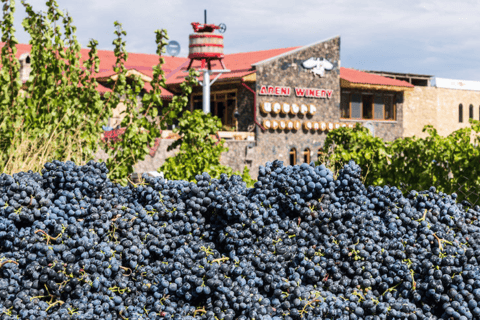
299	92
263	90
324	93
277	91
289	90
329	93
284	91
271	90
311	92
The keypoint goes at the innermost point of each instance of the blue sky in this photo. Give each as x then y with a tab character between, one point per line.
439	38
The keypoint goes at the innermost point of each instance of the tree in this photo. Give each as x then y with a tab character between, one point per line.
199	148
58	113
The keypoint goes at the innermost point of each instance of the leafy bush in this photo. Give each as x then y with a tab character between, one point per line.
451	163
200	149
58	113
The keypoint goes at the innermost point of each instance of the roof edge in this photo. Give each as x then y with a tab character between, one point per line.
345	84
294	50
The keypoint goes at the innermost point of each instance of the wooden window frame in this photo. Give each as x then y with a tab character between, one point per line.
293	151
214	94
375	94
394	105
307	153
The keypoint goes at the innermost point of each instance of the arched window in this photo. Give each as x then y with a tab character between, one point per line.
306	155
320	155
460	113
470	111
28	59
293	156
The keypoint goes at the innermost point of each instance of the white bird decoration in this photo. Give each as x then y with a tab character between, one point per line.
318	66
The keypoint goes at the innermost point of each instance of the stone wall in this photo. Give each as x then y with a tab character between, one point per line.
420	109
236	157
438	107
288	71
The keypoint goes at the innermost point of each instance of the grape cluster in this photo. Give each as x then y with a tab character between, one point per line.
300	244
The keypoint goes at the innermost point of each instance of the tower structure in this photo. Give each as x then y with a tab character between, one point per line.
207	46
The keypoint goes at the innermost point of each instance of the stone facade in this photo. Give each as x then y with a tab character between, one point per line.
283	71
438	107
236	157
288	71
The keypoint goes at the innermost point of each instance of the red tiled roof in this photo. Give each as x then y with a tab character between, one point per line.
102	89
355	76
147	86
140	61
239	63
21	48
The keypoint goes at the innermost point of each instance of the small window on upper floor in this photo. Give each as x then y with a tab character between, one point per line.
27	60
293	156
320	156
306	155
470	111
460	113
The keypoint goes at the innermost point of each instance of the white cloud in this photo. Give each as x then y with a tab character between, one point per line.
433	37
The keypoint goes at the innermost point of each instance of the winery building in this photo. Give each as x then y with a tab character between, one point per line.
281	103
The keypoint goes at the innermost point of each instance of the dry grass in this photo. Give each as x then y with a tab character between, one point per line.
31	153
325	158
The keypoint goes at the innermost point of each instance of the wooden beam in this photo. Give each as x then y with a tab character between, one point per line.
252	77
344	84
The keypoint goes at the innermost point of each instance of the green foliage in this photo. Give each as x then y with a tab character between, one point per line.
57	96
451	163
58	113
247	178
199	148
138	118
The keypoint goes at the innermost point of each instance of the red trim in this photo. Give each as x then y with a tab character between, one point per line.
205	45
206	36
205	55
254	106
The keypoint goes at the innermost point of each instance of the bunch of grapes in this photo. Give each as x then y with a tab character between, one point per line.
300	244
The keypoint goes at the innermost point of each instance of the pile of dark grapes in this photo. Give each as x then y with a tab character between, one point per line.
299	245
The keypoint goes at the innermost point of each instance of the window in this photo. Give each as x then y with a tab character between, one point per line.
389	107
376	106
306	155
367	106
222	105
345	105
197	102
320	157
293	156
478	112
356	106
460	113
470	111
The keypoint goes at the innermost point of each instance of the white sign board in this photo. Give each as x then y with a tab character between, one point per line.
455	84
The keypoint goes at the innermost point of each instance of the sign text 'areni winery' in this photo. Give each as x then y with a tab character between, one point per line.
299	92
